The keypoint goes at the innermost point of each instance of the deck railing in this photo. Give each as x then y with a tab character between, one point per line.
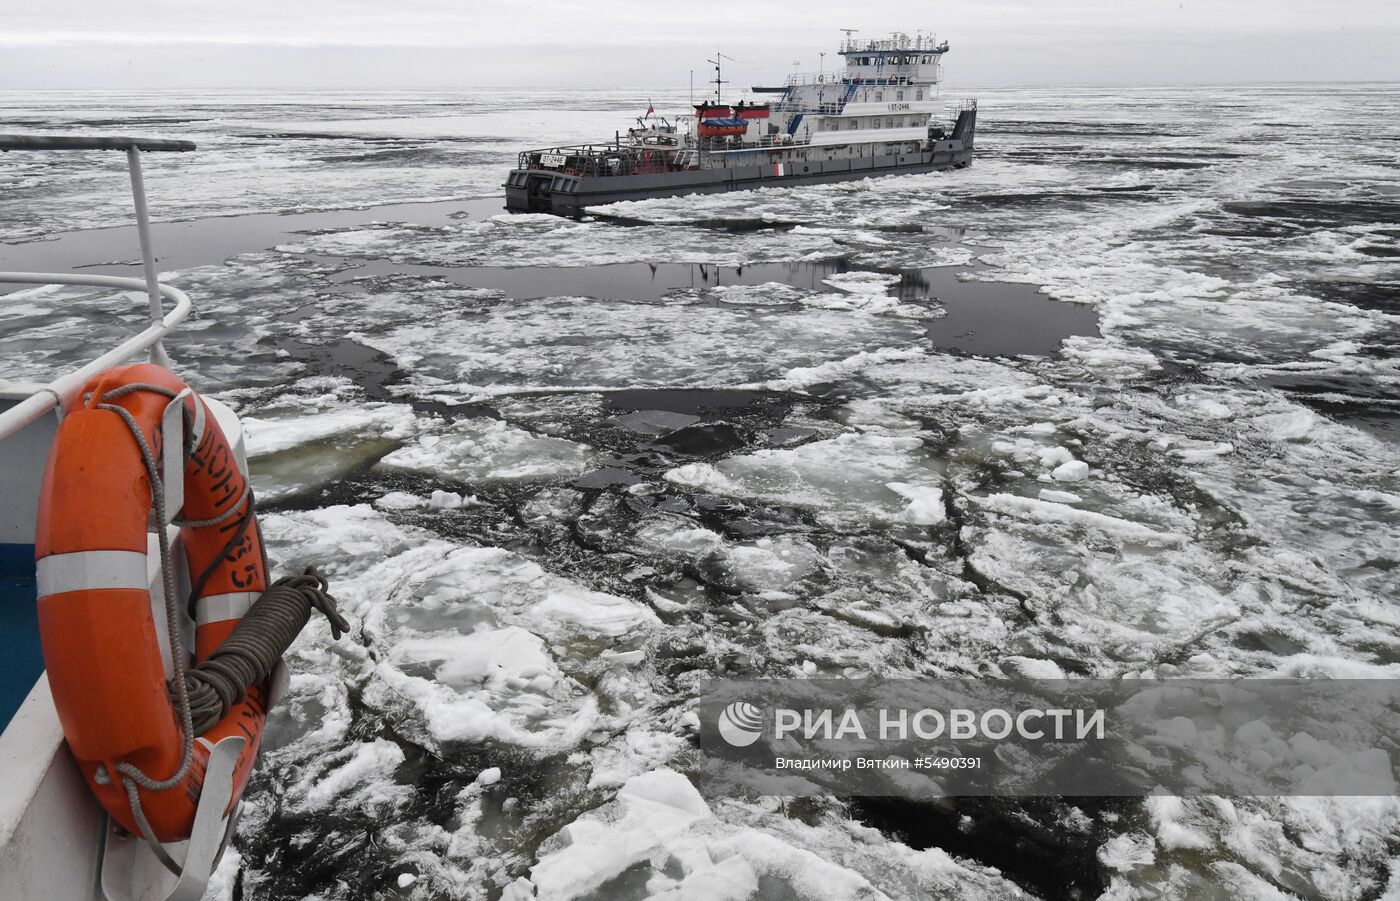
59	392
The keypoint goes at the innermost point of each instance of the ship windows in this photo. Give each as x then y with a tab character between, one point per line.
919	95
899	95
879	96
889	123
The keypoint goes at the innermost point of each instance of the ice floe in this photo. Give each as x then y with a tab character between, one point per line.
489	450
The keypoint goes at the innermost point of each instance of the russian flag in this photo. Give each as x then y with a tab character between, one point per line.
651	110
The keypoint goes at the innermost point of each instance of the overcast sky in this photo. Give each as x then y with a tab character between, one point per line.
586	43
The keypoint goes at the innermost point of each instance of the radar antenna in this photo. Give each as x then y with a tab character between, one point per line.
717	81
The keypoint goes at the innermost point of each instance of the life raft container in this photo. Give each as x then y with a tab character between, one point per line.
722	128
101	639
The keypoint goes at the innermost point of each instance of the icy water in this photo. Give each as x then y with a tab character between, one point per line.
1120	400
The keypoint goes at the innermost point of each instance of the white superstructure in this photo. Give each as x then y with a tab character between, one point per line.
887	92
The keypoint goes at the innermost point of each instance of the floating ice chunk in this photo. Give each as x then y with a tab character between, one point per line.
448	500
1112	358
1200	453
489	776
1073	471
302	424
1293	425
482	449
1043	511
678	535
594	612
836	370
497	684
767	565
1128	851
1032	667
406	879
650	810
655	422
297	443
401	500
730	879
1054	457
500	711
662	832
844	479
1170	818
925	503
522	889
872	283
498	658
639	750
865	291
766	294
590	344
445	500
1058	497
1205	406
343	541
366	776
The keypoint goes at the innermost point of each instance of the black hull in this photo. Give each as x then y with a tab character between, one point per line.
563	193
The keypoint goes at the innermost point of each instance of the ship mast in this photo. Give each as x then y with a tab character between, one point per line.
717	81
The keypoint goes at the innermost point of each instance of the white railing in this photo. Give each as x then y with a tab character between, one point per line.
59	391
797	79
56	393
897	41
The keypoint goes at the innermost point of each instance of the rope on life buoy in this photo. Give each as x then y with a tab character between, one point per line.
131	775
259	640
203	694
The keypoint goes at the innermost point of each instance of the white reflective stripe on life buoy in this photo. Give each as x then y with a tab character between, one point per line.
91	570
219	607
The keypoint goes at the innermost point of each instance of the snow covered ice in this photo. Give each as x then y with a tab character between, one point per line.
560	473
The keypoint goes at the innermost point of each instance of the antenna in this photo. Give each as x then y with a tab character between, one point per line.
849	31
717	80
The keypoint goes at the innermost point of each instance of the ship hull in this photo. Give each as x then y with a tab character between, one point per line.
569	194
543	191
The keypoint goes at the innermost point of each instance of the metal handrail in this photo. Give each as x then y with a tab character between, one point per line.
53	395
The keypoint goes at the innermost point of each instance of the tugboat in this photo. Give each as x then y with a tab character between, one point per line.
875	118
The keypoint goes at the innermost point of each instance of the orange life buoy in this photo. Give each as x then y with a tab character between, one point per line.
100	637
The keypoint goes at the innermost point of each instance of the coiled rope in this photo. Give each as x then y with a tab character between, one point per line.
244	659
259	640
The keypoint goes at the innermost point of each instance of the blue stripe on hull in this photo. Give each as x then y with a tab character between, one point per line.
21	661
